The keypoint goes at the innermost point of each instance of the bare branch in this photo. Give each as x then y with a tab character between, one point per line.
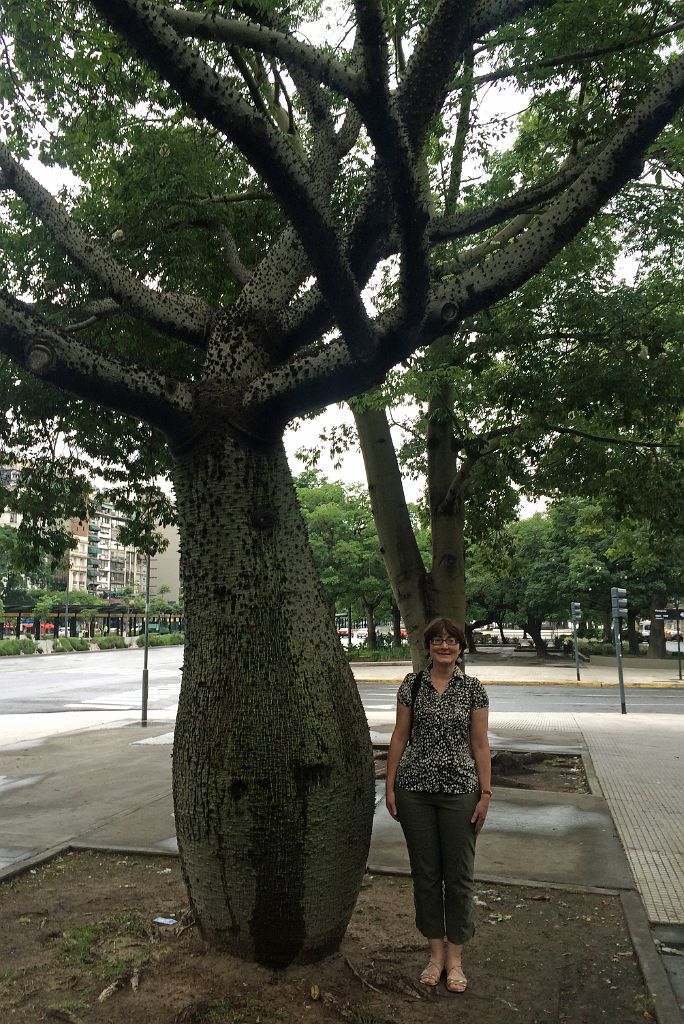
88	373
183	316
231	255
470	222
143	24
395	156
367	242
316	63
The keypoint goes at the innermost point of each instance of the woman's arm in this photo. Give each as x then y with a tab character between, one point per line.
400	737
479	744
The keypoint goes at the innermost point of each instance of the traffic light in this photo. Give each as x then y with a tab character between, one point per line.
575	611
618	601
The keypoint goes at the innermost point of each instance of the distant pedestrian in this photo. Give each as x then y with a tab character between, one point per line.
438	787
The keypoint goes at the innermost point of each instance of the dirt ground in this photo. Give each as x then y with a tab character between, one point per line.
79	944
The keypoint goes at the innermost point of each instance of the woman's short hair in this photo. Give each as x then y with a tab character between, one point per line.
443	625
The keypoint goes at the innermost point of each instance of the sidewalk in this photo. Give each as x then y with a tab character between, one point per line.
627	836
523	670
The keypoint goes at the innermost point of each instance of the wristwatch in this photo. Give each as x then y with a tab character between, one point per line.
485	792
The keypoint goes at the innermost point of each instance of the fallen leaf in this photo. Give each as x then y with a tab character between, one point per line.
315	992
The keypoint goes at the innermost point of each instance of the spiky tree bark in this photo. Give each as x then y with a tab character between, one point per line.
273	781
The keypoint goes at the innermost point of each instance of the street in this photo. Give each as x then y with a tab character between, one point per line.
110	681
380	699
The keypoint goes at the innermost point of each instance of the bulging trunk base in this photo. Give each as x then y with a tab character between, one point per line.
273	776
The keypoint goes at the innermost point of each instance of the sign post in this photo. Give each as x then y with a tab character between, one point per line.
575	612
618	601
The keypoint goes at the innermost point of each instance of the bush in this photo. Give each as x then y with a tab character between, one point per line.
68	644
380	654
24	645
600	647
108	643
162	640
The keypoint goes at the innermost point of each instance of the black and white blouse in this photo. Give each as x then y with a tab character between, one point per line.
438	758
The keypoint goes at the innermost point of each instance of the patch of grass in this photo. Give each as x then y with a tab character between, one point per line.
77	948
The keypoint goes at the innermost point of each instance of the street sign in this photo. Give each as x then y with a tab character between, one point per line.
674	613
662	613
575	611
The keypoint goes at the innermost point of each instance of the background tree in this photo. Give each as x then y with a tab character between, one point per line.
345	547
216	346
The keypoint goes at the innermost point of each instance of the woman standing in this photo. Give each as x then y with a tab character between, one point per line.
438	787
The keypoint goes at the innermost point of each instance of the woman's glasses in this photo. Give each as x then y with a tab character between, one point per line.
437	641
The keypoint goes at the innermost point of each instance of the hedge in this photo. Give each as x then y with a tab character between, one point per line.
162	639
108	643
23	645
68	644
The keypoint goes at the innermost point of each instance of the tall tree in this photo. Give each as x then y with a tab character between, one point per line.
181	118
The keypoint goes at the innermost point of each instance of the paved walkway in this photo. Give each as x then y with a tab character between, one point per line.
629	833
639	762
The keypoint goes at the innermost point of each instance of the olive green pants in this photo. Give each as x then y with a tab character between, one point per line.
441	847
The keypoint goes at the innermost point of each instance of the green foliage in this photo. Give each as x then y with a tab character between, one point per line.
23	645
345	544
69	644
162	640
111	642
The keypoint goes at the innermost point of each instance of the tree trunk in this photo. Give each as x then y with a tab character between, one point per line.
369	608
632	638
272	764
447	517
398	546
396	624
533	627
657	645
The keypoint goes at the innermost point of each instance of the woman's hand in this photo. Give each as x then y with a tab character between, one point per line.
391	803
480	813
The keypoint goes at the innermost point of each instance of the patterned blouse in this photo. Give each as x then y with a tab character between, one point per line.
438	758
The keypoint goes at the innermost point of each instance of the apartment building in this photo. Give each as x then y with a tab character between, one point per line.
100	563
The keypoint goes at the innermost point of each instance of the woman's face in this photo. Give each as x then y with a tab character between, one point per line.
444	649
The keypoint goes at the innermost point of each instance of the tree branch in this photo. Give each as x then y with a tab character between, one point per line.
393	150
184	317
617	162
144	25
367	241
470	222
90	374
578	55
315	62
600	439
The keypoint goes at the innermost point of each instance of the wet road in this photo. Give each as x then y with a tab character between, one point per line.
111	681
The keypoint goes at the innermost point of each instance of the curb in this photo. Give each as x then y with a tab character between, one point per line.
655	976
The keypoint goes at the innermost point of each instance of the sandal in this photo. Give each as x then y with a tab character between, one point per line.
432	973
456	979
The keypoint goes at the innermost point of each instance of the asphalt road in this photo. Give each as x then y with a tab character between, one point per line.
111	681
379	698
